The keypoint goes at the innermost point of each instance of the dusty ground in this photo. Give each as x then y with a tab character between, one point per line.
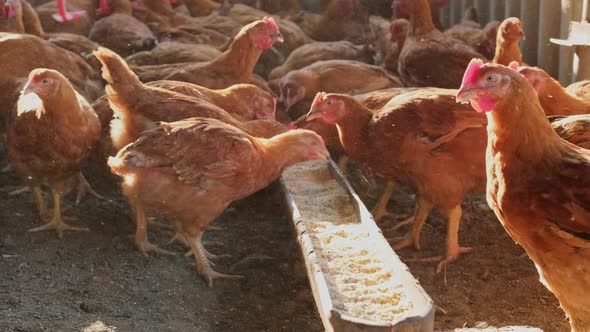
495	285
98	279
52	285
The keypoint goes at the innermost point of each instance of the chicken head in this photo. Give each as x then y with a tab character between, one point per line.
45	83
329	107
483	85
266	33
535	76
399	30
511	29
310	144
291	91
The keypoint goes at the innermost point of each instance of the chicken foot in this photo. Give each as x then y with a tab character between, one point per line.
141	240
84	188
453	248
56	221
203	266
423	208
44	212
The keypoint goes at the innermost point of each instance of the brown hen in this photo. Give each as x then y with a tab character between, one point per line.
537	184
510	33
50	139
191	170
337	76
553	97
319	51
234	66
421	138
430	57
173	52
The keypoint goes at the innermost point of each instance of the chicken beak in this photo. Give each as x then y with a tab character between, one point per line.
464	95
522	35
29	88
313	115
279	37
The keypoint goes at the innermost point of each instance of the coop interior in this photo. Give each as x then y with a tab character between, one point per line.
294	165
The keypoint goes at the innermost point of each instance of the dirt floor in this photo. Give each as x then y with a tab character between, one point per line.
494	285
97	281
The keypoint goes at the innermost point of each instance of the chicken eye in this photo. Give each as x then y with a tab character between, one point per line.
329	102
45	81
491	79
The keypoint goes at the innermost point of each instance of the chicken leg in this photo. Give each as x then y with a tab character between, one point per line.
40	201
141	240
423	208
56	221
380	209
203	267
453	248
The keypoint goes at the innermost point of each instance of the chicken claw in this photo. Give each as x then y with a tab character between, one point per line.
178	237
56	221
452	257
19	191
147	246
210	275
203	267
453	248
443	261
85	188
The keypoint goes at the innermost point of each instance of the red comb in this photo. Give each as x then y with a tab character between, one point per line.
271	22
514	65
63	15
292	126
103	8
7	9
472	70
320	97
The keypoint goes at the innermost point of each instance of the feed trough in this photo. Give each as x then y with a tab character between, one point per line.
358	282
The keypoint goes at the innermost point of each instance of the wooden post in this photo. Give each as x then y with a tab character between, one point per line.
583	53
529	17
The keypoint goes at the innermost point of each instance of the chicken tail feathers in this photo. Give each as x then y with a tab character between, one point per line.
116	71
117	166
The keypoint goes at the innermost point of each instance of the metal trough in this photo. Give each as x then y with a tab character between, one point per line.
358	282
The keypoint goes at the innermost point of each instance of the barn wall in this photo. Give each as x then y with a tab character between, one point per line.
541	20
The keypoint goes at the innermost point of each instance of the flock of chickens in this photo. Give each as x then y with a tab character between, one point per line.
179	99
